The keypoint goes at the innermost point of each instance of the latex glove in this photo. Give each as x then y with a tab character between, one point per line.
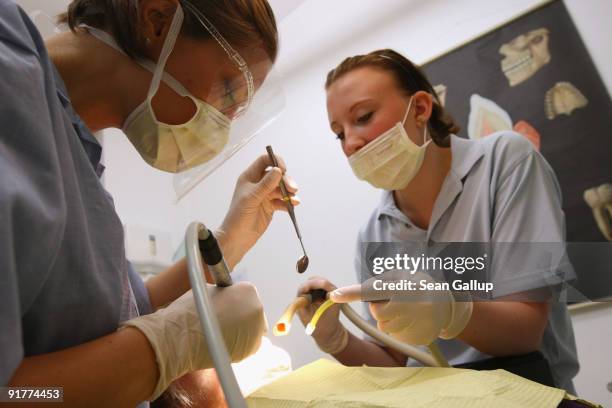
330	335
413	316
256	196
176	335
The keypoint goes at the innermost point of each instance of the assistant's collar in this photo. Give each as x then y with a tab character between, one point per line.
465	154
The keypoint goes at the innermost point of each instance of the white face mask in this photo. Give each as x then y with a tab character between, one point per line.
172	148
392	159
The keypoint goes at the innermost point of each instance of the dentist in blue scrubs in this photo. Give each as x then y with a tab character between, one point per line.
173	75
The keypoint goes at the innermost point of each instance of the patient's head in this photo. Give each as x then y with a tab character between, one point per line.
368	94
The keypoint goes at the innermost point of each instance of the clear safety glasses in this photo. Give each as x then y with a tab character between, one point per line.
229	96
245	89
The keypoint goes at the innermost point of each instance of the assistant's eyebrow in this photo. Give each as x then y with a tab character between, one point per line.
358	103
351	109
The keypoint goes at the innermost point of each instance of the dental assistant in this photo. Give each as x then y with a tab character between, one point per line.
438	187
173	75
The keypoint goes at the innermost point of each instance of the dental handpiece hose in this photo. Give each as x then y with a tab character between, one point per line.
199	245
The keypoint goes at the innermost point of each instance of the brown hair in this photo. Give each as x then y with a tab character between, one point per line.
410	79
240	22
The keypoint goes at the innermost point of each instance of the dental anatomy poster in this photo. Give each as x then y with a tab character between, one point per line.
535	76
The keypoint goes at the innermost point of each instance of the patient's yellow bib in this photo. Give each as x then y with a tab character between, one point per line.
328	384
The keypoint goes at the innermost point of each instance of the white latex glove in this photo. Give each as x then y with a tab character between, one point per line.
176	335
330	335
256	196
415	317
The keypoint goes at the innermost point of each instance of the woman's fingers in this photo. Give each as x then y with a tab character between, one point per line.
315	282
346	294
291	185
277	195
257	170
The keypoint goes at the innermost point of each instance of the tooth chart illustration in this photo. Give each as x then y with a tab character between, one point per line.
441	92
563	98
534	76
487	117
525	55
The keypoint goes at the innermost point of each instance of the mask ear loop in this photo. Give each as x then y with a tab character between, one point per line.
167	149
146	64
169	42
425	132
406	117
407	110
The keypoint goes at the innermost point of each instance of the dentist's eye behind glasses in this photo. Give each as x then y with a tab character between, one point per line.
175	76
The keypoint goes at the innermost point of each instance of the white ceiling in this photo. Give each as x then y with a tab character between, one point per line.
319	26
282	8
308	28
43	12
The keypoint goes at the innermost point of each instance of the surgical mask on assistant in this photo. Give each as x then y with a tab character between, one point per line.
391	160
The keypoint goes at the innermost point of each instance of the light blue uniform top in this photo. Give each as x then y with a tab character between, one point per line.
499	189
64	277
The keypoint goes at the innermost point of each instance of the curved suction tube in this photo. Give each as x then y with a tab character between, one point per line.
433	359
208	319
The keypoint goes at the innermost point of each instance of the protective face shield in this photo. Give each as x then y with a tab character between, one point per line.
197	147
392	159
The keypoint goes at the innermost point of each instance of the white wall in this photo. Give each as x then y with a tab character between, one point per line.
593	331
315	37
43	13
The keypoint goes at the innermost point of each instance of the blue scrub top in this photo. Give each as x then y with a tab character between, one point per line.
64	278
499	190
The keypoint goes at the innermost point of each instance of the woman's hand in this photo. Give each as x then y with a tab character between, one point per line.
256	196
176	337
331	336
415	316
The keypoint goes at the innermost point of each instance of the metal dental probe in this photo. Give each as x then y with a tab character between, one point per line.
302	263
